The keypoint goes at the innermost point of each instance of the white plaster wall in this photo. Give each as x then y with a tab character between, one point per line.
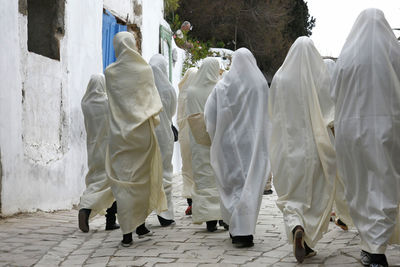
11	150
42	139
153	15
126	9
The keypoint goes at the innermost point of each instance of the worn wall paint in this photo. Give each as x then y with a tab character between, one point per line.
126	9
43	146
10	98
42	137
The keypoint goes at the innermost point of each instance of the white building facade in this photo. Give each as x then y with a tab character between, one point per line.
43	159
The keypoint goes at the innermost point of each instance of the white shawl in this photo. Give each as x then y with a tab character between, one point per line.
205	195
164	132
367	126
301	153
184	143
98	195
133	159
237	121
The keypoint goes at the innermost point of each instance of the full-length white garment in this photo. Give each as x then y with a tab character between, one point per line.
367	126
340	205
133	158
98	195
301	153
236	117
164	132
184	142
205	195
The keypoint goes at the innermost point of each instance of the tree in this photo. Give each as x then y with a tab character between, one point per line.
266	27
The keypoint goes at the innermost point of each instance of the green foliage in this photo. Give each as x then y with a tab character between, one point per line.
195	48
170	6
302	24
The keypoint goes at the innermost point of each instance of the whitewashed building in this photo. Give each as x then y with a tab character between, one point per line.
49	50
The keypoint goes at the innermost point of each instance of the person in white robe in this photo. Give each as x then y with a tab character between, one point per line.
186	154
301	153
98	197
236	117
341	214
205	195
367	126
164	132
133	158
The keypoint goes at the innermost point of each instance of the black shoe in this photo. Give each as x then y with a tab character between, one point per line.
110	227
127	240
212	226
83	219
142	231
378	260
268	192
309	251
365	258
165	222
299	250
221	223
111	218
243	241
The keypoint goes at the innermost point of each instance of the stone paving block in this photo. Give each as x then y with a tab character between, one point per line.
344	265
276	254
104	252
125	263
51	239
229	259
176	264
122	258
242	252
198	261
222	264
151	261
97	260
340	259
94	265
265	260
76	259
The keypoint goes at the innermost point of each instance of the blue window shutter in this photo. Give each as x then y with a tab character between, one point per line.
110	29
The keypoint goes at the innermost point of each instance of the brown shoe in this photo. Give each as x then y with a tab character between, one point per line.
341	224
299	250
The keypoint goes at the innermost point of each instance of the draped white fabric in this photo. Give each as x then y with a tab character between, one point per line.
164	132
184	142
133	158
340	205
330	65
98	195
205	195
236	117
301	153
367	126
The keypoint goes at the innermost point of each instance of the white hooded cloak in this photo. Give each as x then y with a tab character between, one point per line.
205	195
236	117
367	126
98	195
133	158
301	153
184	143
164	132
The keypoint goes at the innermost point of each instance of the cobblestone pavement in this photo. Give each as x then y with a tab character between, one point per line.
53	239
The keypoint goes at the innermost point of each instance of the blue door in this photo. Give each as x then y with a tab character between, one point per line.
110	28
